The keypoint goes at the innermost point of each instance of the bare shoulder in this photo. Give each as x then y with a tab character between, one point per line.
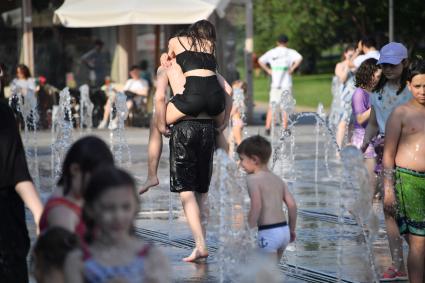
57	215
400	110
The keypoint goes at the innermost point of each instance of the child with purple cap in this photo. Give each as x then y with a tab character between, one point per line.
390	92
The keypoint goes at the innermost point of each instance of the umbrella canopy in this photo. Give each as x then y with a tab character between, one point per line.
95	13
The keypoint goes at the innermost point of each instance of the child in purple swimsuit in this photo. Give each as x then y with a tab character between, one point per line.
367	77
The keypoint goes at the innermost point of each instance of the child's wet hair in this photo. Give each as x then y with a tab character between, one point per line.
104	178
364	74
256	146
51	249
417	67
88	153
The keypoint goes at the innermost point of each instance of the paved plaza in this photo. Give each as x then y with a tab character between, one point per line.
324	248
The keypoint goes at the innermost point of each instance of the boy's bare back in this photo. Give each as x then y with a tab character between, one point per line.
269	190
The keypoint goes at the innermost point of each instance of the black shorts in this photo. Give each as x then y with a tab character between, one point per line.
192	144
201	94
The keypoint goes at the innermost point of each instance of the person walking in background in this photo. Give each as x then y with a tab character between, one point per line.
98	61
279	62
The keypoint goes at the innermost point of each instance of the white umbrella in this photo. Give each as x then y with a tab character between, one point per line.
101	13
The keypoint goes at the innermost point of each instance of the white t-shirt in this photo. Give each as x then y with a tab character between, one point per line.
136	85
280	60
388	102
361	58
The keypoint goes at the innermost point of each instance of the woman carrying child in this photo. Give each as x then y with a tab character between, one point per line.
202	109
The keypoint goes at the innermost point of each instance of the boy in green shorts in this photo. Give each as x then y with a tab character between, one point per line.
404	152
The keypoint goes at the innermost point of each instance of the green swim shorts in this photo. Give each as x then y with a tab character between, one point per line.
410	194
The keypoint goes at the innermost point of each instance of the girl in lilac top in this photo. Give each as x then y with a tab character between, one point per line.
367	77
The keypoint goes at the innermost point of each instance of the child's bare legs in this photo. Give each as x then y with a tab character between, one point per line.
370	165
269	118
416	259
237	134
154	154
192	211
340	133
395	242
284	120
279	255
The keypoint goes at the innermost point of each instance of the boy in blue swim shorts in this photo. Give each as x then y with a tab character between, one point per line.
267	192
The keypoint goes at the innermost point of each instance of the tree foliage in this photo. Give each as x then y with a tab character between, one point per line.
317	24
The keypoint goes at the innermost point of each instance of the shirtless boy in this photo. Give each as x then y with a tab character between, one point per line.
404	159
267	192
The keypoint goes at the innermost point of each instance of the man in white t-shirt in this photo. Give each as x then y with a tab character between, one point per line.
366	49
279	62
136	88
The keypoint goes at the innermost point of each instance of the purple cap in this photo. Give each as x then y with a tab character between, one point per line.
392	53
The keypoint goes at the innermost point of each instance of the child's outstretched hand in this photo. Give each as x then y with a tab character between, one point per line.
293	236
165	60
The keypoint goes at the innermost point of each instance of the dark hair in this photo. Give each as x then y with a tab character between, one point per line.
25	70
346	49
365	72
134	67
368	41
417	67
143	65
403	80
199	32
51	249
88	152
103	179
283	38
256	146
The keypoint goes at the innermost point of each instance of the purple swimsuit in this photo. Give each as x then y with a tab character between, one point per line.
360	104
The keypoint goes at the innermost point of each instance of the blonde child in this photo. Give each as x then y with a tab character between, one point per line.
267	192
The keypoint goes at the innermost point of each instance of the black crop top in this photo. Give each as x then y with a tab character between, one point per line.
192	60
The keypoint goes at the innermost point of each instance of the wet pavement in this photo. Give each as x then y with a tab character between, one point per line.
324	249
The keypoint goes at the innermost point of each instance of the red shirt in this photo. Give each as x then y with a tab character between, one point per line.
53	202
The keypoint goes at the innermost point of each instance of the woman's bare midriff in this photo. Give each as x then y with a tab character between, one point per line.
199	73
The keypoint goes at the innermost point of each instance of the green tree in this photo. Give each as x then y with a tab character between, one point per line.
315	25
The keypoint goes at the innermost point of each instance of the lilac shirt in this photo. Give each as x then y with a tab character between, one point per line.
360	104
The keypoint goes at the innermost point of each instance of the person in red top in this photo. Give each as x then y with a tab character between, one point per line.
64	210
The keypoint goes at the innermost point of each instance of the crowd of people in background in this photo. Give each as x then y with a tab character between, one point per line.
86	226
378	106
